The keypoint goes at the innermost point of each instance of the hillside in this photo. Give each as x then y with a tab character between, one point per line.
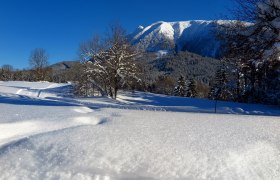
160	72
63	65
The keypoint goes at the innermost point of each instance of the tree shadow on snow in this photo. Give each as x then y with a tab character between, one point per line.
24	100
180	104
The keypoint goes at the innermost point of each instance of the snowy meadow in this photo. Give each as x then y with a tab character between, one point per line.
47	134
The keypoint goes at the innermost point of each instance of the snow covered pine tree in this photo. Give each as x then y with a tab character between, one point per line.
181	88
191	88
220	89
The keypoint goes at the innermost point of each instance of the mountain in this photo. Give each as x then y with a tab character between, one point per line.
64	65
195	36
64	71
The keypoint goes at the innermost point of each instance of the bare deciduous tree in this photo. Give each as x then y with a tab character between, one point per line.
110	63
39	61
245	10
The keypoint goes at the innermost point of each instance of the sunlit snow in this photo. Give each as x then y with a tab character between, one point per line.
47	134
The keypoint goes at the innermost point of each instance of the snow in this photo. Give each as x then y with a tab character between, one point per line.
139	136
169	29
198	36
162	53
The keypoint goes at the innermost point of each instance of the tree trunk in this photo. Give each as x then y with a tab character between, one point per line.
115	92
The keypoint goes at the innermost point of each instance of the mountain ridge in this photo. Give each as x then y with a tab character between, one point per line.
197	36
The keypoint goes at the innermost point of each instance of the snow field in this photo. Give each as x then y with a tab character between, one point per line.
56	137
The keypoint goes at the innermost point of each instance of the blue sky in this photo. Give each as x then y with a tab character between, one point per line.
59	26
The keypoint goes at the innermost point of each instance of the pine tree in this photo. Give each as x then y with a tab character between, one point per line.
191	91
181	88
220	89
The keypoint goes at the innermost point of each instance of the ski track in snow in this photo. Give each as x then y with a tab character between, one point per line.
140	136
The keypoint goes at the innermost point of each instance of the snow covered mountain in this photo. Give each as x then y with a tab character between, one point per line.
194	36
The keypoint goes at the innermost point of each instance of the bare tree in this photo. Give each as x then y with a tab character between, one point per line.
120	60
245	10
90	79
88	48
110	63
39	61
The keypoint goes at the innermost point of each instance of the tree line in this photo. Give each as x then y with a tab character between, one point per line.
39	69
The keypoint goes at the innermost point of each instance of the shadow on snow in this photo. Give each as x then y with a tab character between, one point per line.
24	100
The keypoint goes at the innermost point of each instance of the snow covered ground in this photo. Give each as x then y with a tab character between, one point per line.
46	134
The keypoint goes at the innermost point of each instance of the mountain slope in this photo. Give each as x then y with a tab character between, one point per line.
63	65
195	36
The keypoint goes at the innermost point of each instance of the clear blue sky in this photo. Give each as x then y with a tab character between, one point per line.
60	26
